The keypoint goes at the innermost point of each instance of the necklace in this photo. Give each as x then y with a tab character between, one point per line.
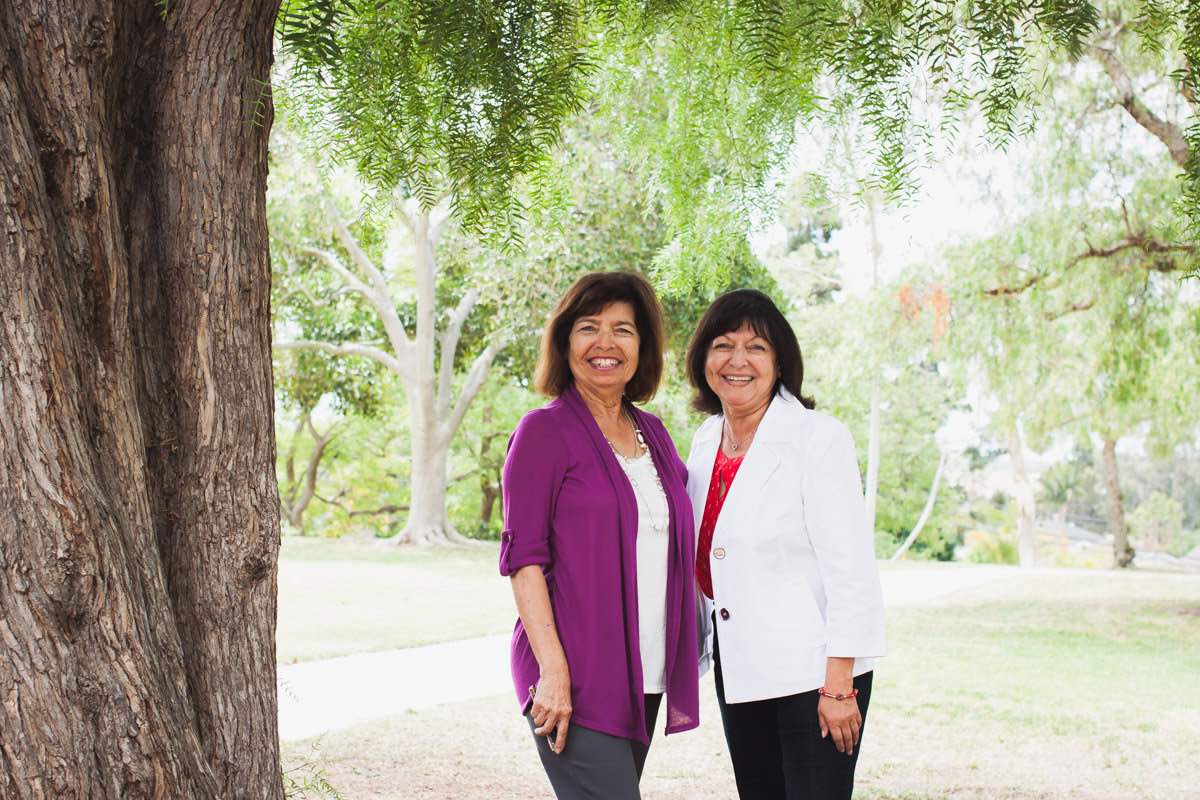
629	465
734	444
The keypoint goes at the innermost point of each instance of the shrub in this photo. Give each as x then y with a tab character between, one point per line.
982	547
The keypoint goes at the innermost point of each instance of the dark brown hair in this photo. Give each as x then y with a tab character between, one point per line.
590	294
729	312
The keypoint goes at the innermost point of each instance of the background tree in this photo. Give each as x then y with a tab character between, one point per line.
423	361
600	223
311	304
893	327
1086	311
1149	53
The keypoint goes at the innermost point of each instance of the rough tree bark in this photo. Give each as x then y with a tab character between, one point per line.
139	517
435	414
1026	499
1122	550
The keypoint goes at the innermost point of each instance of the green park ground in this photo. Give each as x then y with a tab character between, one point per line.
1041	684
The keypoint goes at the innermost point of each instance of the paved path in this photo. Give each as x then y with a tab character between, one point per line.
321	696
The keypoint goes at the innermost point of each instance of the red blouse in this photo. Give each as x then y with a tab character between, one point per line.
724	468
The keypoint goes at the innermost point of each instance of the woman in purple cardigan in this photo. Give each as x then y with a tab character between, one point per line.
599	543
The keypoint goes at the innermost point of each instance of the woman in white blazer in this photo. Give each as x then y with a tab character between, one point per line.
793	610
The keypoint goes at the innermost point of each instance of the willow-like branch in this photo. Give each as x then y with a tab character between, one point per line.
1006	291
1164	130
1082	305
1139	241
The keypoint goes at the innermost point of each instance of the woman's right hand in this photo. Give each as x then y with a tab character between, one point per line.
551	710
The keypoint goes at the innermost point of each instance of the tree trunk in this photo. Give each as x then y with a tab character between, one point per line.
428	522
1026	499
489	469
871	488
1122	551
872	482
139	516
301	492
488	505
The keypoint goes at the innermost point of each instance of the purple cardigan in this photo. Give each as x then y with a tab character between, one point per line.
569	508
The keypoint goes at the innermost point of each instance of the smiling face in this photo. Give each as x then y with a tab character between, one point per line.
740	369
603	349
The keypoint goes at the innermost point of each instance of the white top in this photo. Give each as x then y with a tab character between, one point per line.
653	543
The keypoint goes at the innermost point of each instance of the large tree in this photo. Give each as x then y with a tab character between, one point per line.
424	362
139	516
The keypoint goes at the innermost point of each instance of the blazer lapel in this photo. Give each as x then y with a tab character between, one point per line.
700	465
743	502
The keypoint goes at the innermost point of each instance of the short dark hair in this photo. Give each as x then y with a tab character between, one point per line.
729	312
590	294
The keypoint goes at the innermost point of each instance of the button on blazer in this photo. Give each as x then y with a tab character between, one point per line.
797	582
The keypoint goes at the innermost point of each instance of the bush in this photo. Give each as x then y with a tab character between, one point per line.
982	547
478	529
1157	524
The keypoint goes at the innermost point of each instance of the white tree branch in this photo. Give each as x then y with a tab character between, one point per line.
471	386
449	339
349	349
405	211
380	300
380	295
335	264
361	260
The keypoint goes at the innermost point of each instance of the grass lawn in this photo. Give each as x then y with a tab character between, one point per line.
341	597
1046	685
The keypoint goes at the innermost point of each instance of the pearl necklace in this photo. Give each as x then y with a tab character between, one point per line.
657	527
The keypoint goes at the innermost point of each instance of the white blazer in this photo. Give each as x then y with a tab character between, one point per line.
793	564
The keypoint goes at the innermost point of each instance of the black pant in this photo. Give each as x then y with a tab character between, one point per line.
595	765
777	749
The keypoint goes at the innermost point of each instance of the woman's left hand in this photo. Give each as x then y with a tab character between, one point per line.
841	720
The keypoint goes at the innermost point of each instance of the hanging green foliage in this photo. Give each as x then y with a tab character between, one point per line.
466	97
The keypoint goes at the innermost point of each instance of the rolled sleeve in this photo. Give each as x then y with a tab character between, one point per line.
530	482
836	518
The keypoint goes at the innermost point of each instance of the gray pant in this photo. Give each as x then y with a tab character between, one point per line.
597	766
